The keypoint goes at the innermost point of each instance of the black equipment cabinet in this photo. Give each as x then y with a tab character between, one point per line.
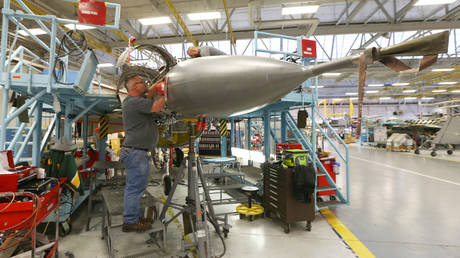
279	198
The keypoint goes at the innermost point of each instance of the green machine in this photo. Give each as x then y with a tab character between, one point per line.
295	157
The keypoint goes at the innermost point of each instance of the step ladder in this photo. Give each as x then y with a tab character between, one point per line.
302	139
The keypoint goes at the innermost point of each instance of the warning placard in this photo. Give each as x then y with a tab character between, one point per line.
308	48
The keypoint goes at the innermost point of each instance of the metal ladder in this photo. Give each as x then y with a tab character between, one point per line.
302	139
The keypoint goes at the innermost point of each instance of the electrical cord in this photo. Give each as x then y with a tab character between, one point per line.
73	44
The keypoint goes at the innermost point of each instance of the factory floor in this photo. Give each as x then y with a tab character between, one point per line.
402	205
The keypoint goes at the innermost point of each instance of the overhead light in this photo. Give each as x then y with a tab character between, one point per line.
443	70
331	74
78	27
447	83
337	99
375	85
427	98
455	91
437	91
409	91
431	2
400	84
204	16
410	98
351	93
36	31
384	98
105	65
371	91
353	98
319	87
299	9
155	20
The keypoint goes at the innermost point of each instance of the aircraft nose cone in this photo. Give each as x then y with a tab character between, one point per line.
225	85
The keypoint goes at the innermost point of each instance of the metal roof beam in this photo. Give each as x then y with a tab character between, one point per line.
321	30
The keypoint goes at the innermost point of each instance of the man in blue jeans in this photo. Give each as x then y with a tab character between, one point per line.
141	136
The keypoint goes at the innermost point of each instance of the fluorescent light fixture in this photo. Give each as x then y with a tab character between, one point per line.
427	98
409	91
443	70
78	27
437	91
447	83
353	98
320	87
400	84
204	16
431	2
36	31
337	99
371	91
455	91
410	98
351	93
331	74
105	65
384	98
256	156
299	9
375	85
155	20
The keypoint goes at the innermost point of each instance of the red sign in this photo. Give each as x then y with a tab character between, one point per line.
308	48
92	12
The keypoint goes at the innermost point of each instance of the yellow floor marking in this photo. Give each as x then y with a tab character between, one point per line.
359	248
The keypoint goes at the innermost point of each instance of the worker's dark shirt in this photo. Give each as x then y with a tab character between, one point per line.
140	128
210	51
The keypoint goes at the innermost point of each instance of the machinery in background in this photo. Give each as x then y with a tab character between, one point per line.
448	136
400	142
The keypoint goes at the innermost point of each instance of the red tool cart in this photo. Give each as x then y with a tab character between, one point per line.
25	200
328	163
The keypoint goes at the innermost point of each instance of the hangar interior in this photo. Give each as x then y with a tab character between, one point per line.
322	128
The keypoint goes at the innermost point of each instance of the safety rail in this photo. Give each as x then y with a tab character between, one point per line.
42	87
302	139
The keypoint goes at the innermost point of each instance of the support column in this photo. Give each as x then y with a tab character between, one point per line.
67	120
85	134
232	133
248	139
267	143
37	134
223	146
283	127
57	132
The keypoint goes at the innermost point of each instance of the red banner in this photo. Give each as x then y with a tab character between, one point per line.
308	48
92	12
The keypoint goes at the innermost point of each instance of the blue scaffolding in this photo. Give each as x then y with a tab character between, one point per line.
75	98
281	109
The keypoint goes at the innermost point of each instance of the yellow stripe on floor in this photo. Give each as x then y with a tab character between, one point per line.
359	248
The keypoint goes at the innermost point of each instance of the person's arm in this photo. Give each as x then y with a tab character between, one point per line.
151	92
158	105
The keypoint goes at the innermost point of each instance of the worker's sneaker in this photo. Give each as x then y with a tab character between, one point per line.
137	227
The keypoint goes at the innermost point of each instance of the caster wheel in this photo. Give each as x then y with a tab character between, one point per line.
267	214
226	231
319	199
167	184
332	198
241	216
251	218
417	151
450	152
308	225
65	228
287	229
433	154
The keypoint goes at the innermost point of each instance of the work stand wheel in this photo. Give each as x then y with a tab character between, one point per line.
65	228
251	217
225	231
417	151
267	214
433	154
287	228
167	184
450	152
242	216
308	226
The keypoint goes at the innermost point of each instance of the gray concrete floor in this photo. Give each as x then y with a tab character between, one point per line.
401	206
